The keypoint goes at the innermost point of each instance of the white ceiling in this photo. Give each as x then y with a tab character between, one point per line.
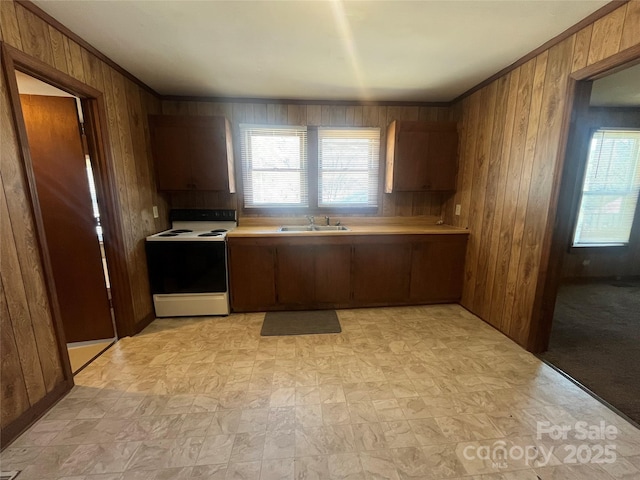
327	50
28	85
621	89
32	86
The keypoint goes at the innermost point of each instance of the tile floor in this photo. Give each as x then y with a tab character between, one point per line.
403	393
81	355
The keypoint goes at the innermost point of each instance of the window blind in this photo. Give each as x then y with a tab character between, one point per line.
348	163
610	189
274	166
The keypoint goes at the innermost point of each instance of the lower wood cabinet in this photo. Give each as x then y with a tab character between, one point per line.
313	274
381	272
437	269
252	276
289	273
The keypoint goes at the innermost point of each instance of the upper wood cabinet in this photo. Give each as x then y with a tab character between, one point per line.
192	152
421	156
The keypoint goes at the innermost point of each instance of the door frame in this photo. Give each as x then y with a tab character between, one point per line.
94	110
567	177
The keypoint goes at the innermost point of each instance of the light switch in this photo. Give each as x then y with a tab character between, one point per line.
458	208
155	212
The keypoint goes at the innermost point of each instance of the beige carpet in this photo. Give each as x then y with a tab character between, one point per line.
81	355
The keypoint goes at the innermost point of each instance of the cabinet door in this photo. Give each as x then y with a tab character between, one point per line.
295	274
192	152
208	155
170	154
422	156
313	275
411	167
441	161
252	277
437	269
381	272
332	274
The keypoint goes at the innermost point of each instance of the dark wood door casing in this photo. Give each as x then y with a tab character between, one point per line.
65	202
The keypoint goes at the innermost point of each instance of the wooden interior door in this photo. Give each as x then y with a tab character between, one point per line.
64	199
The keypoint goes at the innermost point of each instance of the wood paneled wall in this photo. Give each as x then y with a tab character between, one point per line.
510	140
608	262
31	366
394	204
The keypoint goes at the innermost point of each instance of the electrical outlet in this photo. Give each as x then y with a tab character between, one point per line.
155	212
586	262
458	209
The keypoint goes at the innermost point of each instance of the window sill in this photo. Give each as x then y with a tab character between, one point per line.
599	248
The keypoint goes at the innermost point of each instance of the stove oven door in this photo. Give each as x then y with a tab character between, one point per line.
181	267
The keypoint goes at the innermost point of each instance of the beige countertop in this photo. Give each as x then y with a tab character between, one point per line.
272	230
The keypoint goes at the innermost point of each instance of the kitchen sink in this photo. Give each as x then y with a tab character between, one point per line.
313	228
330	228
296	228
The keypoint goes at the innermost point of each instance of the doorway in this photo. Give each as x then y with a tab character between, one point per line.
68	202
595	328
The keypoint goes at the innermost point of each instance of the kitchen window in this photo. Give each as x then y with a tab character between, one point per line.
274	166
314	168
610	189
348	161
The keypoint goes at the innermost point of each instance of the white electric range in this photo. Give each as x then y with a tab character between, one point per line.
188	263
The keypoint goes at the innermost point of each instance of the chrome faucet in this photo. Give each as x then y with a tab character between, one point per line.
327	220
312	220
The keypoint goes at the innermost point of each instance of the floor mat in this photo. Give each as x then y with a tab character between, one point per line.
300	323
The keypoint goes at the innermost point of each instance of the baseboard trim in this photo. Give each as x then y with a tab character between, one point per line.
11	431
599	279
144	323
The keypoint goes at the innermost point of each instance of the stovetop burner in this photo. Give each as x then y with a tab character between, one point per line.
203	225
